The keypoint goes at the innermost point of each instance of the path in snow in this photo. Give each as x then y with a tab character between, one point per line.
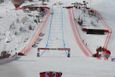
58	34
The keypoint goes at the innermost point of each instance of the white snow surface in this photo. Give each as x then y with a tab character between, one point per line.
78	65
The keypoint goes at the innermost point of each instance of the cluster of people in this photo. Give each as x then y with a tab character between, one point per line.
80	21
102	52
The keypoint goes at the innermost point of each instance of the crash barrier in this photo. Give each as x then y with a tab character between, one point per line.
59	49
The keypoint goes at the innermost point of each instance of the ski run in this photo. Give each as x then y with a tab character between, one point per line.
57	38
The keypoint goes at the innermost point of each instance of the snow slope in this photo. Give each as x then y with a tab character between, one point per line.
90	22
78	65
15	25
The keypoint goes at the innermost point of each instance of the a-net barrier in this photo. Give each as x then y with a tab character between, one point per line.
59	49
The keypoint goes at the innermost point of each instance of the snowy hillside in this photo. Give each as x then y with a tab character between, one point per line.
107	12
19	28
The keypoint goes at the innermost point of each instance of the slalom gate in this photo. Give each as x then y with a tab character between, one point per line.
59	49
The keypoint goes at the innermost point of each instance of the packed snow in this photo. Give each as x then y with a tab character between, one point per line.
16	33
